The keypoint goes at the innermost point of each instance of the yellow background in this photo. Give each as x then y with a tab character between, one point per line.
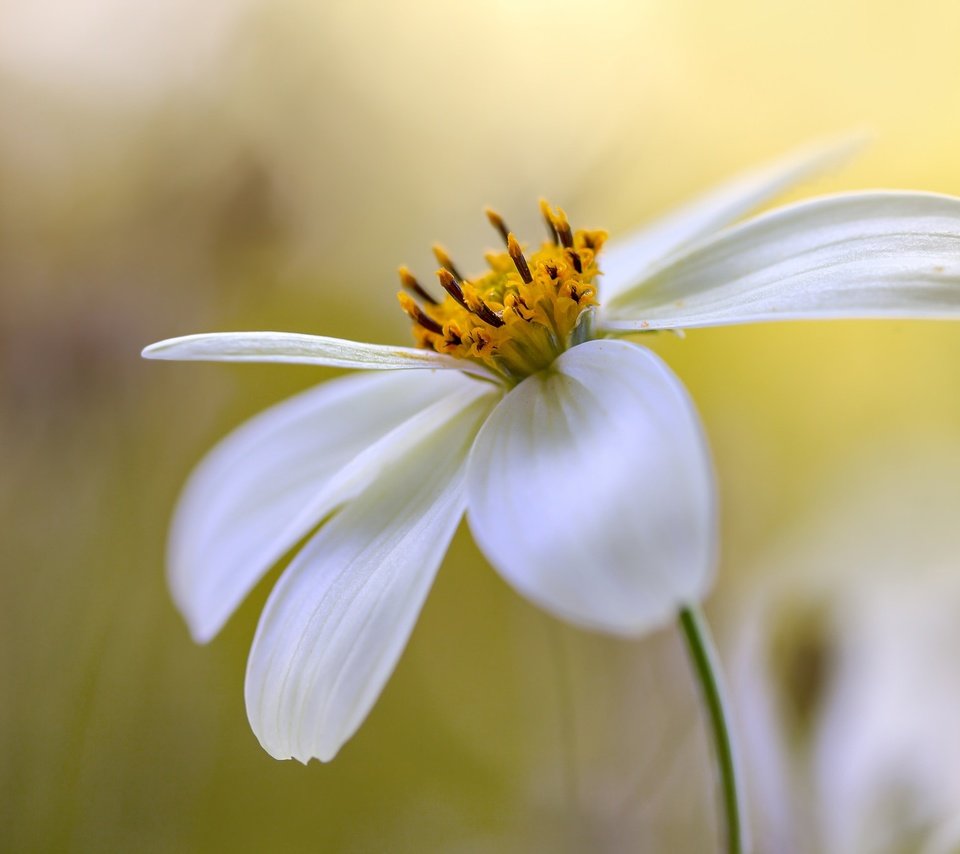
171	167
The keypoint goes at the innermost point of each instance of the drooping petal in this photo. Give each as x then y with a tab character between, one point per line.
590	490
299	349
270	481
876	254
339	618
626	260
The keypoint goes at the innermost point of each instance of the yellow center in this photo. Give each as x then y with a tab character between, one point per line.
521	314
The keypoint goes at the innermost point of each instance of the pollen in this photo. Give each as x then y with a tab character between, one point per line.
523	312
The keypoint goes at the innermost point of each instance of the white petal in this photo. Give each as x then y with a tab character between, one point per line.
271	481
294	348
590	490
340	616
877	254
626	260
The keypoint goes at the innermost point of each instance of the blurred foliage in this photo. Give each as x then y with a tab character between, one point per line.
170	167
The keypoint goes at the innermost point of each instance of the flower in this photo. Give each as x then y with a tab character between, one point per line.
844	662
578	457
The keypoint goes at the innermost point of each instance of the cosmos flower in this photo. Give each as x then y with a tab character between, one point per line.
844	664
577	455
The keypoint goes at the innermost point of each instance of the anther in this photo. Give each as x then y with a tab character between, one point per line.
478	338
481	309
449	283
418	314
517	304
453	336
497	222
563	228
516	253
411	284
548	219
487	314
444	261
574	257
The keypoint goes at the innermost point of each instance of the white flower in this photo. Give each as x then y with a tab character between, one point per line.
845	664
578	458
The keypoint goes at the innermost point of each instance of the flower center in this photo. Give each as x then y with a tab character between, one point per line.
521	314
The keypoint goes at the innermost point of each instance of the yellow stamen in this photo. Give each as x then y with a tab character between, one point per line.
548	219
516	253
563	228
497	222
418	315
523	312
444	261
411	284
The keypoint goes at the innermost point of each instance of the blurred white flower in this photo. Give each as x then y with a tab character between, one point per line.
579	459
845	669
945	838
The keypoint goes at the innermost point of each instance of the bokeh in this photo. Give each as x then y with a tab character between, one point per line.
172	167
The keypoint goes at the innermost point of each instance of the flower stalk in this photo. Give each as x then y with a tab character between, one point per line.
706	665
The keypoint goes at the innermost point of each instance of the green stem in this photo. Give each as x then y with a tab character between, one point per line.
707	667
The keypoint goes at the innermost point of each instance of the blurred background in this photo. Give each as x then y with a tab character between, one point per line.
173	167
